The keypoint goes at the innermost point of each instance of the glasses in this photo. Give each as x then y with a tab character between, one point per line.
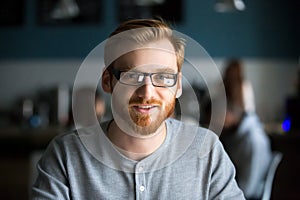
137	78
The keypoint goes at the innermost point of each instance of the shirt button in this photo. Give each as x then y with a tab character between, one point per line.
140	169
142	188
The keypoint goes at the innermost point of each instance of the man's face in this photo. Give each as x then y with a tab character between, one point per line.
143	108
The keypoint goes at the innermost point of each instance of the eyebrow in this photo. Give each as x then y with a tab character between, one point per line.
156	70
168	70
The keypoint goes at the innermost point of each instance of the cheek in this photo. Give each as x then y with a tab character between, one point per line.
170	108
168	95
121	95
168	101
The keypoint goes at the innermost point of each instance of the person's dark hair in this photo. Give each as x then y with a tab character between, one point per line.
233	83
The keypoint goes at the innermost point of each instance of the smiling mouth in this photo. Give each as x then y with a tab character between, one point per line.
145	109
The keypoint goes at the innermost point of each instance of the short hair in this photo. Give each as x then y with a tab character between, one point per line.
141	32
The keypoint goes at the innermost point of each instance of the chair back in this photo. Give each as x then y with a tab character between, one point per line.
276	159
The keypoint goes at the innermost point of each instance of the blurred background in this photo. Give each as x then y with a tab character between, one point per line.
43	43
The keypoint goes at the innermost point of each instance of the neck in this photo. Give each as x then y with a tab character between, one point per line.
136	148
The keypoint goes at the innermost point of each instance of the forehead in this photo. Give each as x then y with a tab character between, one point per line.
159	54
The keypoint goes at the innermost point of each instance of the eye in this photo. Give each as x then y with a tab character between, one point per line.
130	75
163	76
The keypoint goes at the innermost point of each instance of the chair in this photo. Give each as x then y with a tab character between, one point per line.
276	159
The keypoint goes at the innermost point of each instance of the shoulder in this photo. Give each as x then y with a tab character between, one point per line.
253	133
252	125
250	119
65	138
70	141
60	145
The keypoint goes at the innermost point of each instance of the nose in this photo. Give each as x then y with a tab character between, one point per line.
147	80
146	89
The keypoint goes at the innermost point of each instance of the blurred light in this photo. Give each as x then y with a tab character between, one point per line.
35	121
229	5
286	125
65	9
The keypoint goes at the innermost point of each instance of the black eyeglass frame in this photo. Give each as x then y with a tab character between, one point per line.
117	74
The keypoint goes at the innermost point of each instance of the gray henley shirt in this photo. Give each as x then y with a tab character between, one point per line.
84	164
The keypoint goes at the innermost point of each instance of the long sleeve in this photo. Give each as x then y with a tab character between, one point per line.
256	159
223	183
51	182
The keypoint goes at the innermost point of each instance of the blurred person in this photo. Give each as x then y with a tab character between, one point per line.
238	89
243	135
141	153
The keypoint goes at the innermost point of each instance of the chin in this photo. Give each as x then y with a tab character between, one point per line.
146	126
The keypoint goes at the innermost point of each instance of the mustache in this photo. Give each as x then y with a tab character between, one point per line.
141	100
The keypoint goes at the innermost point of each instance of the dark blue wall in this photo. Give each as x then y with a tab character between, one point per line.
267	28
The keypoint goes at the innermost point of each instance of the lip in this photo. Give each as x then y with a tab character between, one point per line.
144	108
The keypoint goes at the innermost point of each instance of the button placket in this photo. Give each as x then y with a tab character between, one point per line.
140	181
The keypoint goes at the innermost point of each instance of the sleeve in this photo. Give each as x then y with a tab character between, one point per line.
51	182
223	184
247	170
252	168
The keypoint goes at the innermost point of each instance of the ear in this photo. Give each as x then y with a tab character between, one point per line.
179	85
106	81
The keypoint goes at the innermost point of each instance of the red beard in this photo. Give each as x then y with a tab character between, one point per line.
148	123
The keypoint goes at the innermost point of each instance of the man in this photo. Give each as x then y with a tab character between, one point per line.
141	153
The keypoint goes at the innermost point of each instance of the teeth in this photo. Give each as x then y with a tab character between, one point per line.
145	107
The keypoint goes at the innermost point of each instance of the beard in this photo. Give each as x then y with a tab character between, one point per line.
147	123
